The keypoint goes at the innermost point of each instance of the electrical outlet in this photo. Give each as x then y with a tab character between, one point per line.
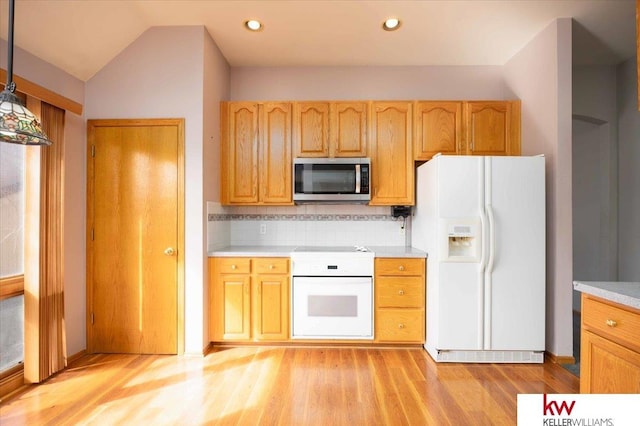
263	229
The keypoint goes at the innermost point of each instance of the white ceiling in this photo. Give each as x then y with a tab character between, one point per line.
81	36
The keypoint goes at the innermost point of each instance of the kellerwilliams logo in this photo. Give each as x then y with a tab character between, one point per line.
578	410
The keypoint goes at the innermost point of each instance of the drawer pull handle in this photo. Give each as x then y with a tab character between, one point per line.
234	267
400	325
271	266
612	323
401	292
401	267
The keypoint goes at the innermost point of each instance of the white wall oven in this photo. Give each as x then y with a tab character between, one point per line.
332	293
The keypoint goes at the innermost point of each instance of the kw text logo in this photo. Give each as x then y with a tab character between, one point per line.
552	408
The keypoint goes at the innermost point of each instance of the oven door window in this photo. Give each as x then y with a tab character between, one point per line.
325	179
332	307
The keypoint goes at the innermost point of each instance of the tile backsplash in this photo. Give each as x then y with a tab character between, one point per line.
323	225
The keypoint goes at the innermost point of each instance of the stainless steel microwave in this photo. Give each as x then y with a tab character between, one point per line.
331	180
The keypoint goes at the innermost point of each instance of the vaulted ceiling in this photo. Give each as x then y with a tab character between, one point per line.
82	36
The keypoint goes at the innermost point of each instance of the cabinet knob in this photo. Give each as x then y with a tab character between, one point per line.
612	323
400	326
401	267
169	251
401	292
234	267
271	267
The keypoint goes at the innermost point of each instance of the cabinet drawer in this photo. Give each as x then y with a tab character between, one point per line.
400	325
232	265
399	266
617	323
400	292
271	265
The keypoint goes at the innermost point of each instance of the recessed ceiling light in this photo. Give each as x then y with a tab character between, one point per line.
391	24
253	25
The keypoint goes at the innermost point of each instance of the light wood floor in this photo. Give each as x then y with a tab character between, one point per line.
291	386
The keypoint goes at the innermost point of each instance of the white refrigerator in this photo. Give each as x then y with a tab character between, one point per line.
482	222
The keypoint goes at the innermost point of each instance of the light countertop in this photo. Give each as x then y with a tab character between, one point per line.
625	293
285	251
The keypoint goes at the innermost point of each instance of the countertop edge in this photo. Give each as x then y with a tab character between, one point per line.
285	251
618	292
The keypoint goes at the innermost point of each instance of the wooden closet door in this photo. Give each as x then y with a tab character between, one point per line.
134	243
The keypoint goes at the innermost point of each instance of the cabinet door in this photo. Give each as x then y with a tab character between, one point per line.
607	367
240	152
400	325
391	154
492	127
236	306
348	129
271	307
275	153
311	129
438	129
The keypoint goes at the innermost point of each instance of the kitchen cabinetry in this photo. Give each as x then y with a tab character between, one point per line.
470	128
399	300
249	299
330	129
610	347
438	129
392	168
256	153
491	127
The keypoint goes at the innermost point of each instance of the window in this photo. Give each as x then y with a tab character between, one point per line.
12	203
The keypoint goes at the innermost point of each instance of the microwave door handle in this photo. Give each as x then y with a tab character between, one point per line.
357	178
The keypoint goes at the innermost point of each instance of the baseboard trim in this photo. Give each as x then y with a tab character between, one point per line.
73	358
559	359
208	349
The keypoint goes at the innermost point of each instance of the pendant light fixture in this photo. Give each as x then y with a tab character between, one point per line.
17	124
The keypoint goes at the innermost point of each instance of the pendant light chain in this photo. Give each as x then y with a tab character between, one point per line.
17	124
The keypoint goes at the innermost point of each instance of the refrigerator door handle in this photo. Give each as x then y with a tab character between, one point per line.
492	239
488	291
483	254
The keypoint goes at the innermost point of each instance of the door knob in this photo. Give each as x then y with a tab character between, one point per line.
169	251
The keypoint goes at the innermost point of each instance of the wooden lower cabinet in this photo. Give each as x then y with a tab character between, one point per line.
249	299
610	347
399	300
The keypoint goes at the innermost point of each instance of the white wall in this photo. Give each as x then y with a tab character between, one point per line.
215	89
629	173
595	165
161	75
355	83
540	75
46	75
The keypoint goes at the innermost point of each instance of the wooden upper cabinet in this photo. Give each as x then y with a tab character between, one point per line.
239	177
348	129
492	127
330	129
311	129
438	129
391	155
275	153
255	153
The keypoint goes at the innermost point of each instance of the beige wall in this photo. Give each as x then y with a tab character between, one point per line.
628	173
215	89
540	75
46	75
353	83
